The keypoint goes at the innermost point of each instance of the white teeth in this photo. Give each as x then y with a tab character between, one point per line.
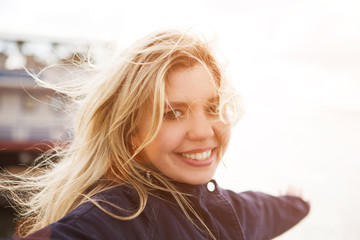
197	156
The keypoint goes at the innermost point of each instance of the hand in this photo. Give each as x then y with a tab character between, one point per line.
292	191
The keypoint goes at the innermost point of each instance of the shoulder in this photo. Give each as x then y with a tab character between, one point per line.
109	209
117	200
102	219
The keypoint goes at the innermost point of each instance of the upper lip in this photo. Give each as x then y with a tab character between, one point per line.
199	150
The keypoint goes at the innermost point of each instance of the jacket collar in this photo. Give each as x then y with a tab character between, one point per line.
196	189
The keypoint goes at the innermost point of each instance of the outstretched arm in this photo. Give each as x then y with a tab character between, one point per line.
264	216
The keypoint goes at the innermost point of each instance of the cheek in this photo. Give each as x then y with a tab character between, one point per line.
223	133
168	140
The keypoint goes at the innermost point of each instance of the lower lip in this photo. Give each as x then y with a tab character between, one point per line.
196	163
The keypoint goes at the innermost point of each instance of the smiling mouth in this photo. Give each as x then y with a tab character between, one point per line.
197	156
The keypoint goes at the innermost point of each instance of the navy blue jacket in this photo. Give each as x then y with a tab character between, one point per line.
229	215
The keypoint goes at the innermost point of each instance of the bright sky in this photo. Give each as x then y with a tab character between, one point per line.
309	48
295	62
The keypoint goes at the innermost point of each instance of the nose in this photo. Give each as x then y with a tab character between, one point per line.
200	127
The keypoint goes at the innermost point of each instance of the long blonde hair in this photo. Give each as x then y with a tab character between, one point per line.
101	154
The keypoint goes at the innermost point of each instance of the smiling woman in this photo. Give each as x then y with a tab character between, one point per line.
151	129
187	146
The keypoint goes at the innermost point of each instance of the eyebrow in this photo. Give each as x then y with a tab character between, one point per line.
186	104
176	104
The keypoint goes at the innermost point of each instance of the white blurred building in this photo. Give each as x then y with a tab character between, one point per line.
32	118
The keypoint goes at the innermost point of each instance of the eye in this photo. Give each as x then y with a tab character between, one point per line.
213	109
173	114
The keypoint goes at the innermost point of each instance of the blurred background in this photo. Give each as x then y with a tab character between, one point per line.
295	63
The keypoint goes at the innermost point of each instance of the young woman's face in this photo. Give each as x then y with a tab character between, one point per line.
187	145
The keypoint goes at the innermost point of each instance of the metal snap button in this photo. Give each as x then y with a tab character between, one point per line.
210	186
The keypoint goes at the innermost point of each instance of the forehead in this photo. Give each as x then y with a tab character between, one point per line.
190	84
